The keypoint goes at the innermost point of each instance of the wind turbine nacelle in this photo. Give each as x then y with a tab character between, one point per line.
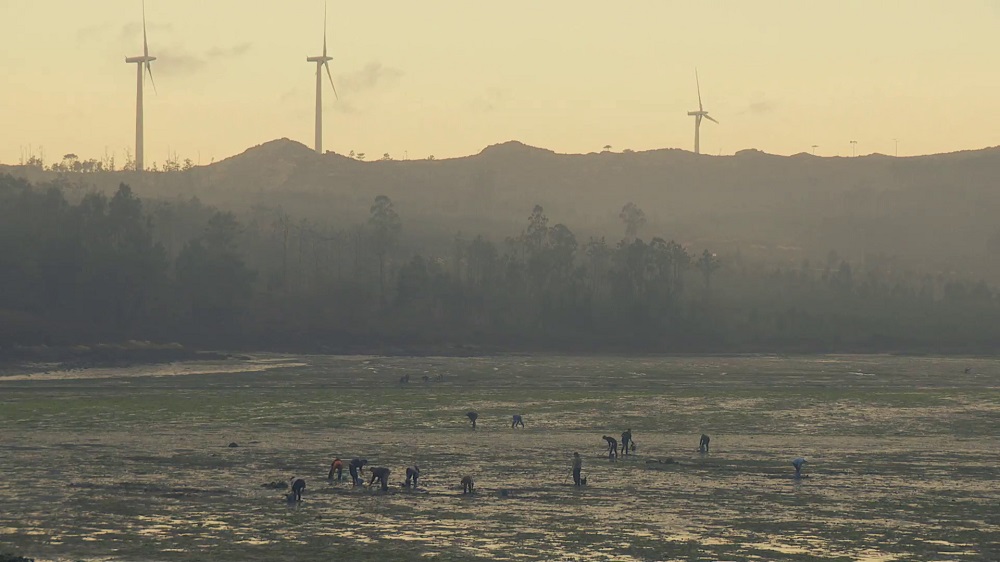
319	59
693	113
139	59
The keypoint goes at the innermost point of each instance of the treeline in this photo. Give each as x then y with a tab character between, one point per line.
116	268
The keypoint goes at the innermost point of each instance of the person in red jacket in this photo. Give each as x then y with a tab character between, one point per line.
336	466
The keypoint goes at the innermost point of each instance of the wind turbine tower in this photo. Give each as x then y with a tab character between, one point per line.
321	63
142	67
697	117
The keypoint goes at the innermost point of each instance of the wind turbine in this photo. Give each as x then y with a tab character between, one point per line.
322	62
142	67
697	117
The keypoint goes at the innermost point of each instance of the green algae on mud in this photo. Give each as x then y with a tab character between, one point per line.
134	465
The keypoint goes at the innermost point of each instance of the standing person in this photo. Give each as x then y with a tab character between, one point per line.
473	416
703	444
412	473
626	440
298	484
336	466
612	447
577	467
381	474
467	484
517	421
354	467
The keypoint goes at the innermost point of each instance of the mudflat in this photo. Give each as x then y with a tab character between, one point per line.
134	463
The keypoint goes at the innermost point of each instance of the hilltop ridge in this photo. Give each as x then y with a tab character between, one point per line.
938	208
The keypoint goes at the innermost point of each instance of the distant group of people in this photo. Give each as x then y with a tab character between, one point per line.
355	466
378	473
628	445
381	474
517	420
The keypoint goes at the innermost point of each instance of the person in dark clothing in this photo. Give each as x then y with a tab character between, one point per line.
612	447
798	463
473	416
336	466
412	473
577	467
354	467
626	440
703	444
468	484
298	484
381	474
517	421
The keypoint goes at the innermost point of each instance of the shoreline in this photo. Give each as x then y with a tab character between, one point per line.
37	359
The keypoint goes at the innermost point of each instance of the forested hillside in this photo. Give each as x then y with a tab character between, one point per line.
93	267
933	213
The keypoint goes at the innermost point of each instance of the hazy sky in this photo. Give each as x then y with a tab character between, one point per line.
449	77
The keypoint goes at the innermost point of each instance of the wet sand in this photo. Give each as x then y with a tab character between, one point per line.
133	464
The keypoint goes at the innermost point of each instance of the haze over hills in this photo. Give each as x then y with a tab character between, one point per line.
937	212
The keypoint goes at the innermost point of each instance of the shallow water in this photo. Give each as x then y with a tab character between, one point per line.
133	464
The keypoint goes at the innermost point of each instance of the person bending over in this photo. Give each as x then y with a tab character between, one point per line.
337	466
612	447
467	484
797	463
473	416
703	444
412	473
354	467
517	421
298	484
381	474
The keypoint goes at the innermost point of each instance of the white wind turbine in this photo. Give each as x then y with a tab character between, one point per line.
697	117
322	62
142	67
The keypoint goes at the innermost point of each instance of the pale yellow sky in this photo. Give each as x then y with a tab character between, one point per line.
449	77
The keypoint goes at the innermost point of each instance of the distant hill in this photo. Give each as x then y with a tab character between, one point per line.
939	211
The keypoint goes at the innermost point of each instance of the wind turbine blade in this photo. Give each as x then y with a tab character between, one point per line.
324	30
328	75
698	84
709	117
149	69
145	46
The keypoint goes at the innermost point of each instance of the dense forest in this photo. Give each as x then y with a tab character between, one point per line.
86	268
934	213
